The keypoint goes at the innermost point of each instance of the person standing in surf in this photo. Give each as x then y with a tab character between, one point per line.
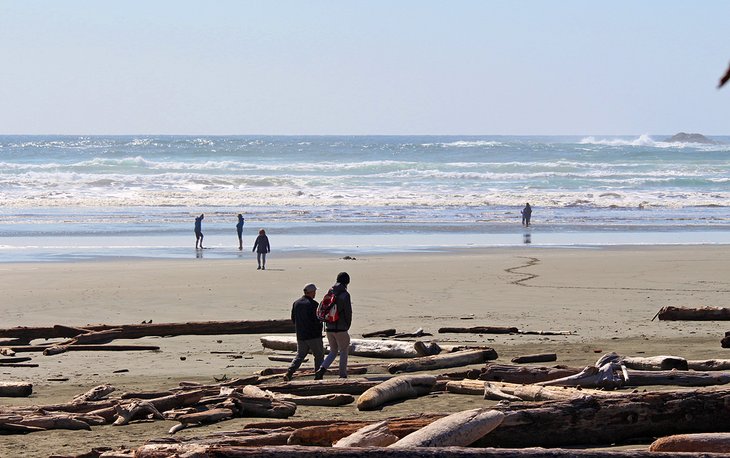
526	214
239	230
338	335
199	231
261	247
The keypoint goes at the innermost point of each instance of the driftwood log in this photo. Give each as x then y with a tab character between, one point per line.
481	330
384	333
15	389
702	442
395	389
168	450
136	331
320	387
374	435
458	429
358	347
656	363
708	364
593	421
499	391
525	374
539	358
671	313
442	361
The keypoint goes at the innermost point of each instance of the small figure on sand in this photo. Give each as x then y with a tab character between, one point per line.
199	231
338	336
239	230
261	247
309	330
526	214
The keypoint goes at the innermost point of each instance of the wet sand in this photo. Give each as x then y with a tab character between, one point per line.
605	296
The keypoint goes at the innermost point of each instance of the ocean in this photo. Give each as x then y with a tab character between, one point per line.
89	197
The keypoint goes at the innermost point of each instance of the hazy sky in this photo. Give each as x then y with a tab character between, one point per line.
363	67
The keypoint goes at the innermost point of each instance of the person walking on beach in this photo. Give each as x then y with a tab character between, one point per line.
308	329
199	231
261	247
526	214
239	230
338	335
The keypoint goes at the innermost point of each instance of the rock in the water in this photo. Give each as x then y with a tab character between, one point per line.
683	137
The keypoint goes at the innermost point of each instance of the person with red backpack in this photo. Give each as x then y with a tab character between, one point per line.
338	335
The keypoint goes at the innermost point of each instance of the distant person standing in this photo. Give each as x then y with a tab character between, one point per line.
338	335
309	330
239	230
526	214
199	231
261	247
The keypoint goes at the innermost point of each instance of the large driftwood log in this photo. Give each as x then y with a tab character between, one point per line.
499	391
384	333
708	364
375	435
481	330
358	347
670	313
442	361
329	400
15	389
136	331
525	374
320	387
655	363
20	359
397	388
592	420
458	429
702	442
93	347
168	450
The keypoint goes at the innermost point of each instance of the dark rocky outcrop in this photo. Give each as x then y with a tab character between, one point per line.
683	137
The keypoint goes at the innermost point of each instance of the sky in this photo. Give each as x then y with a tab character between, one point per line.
390	67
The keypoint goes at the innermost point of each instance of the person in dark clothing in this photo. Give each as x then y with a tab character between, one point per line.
526	214
199	231
261	247
338	335
309	330
239	230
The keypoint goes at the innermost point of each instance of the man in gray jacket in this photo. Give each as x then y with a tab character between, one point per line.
309	330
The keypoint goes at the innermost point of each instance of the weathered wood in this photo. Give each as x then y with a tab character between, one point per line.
43	348
592	420
417	333
525	374
352	369
326	433
708	364
94	394
514	392
201	418
320	387
656	363
481	330
19	359
374	435
358	347
670	313
289	451
15	389
329	400
397	388
458	429
383	333
442	361
702	442
539	358
136	331
127	413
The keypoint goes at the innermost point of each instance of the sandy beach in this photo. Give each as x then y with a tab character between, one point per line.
605	296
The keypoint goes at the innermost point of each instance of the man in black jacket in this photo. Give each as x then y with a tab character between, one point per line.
309	330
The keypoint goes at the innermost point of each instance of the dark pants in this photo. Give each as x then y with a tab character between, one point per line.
303	348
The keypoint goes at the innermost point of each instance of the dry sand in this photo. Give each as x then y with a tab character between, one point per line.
606	296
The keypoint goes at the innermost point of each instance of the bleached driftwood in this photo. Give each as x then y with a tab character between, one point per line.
702	442
458	429
320	387
708	364
397	388
95	394
374	435
481	330
655	363
525	374
329	400
456	359
358	347
127	413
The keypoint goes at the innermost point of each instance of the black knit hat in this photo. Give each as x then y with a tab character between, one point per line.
344	278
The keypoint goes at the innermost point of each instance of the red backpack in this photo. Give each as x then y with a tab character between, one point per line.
327	308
